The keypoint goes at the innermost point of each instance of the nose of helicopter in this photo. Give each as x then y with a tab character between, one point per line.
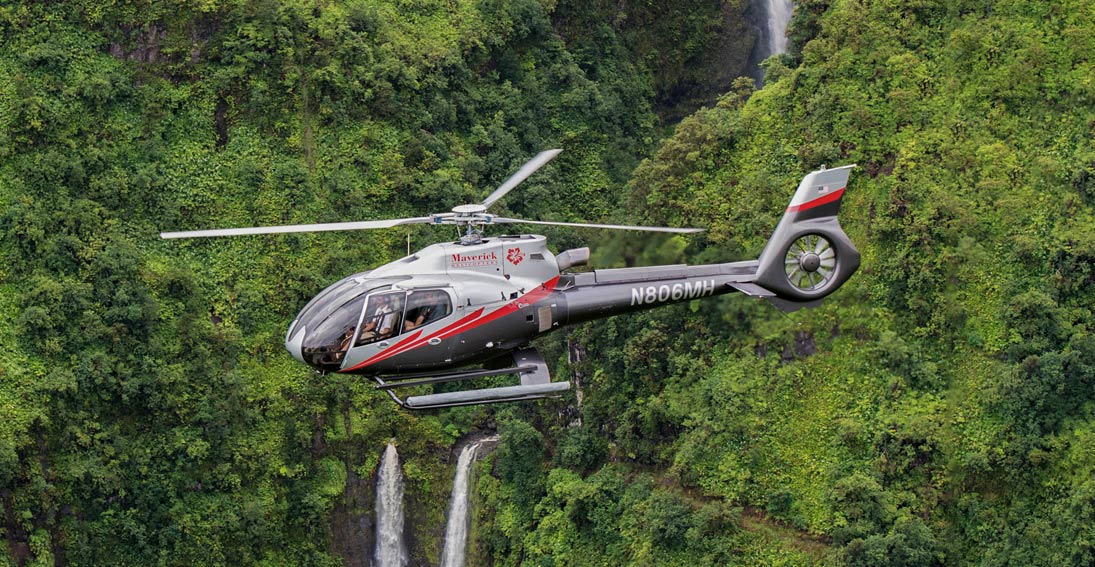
294	341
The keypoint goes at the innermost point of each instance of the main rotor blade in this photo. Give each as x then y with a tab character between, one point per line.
526	170
502	220
361	225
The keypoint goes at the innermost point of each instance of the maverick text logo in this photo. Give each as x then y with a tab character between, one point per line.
473	260
671	292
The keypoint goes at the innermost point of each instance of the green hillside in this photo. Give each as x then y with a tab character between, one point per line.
938	409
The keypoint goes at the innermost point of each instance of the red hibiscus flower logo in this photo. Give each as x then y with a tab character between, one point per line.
515	256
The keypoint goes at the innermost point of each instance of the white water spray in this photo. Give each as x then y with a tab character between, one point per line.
390	549
779	15
456	531
770	19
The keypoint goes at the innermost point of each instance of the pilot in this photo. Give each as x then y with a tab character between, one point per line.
344	343
383	318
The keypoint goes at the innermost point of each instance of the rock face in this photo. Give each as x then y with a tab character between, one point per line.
353	530
693	49
710	72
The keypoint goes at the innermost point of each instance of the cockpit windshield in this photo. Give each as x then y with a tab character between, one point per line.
331	319
343	318
327	343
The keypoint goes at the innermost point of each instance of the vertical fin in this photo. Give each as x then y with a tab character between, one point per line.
809	256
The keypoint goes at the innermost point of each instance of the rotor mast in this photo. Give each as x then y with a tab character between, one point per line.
473	217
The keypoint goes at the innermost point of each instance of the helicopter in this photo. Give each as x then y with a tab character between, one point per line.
468	309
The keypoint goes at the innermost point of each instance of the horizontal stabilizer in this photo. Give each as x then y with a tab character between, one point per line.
487	395
751	289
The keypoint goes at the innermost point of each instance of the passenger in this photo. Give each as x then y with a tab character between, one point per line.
431	309
423	315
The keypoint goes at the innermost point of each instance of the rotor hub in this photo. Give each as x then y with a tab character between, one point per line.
472	238
469	210
810	262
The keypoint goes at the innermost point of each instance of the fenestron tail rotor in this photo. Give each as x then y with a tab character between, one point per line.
472	216
810	263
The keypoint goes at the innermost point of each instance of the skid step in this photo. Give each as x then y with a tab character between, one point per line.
487	395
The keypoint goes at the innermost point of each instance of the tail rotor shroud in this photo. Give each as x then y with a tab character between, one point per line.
809	256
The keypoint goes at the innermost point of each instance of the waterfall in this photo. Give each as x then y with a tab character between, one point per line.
769	18
456	532
779	15
390	550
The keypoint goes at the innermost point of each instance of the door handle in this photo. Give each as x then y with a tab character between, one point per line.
434	341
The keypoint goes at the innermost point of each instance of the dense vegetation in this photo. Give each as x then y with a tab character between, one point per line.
150	414
939	409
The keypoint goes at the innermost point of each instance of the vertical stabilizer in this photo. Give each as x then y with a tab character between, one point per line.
808	255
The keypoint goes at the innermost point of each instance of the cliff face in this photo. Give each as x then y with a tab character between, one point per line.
937	409
692	51
353	522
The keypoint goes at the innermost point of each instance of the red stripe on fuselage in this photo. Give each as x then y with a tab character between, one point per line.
817	202
469	322
410	342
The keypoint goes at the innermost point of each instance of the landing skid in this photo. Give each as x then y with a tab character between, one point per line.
528	364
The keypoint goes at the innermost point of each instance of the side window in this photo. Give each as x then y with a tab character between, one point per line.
383	317
425	307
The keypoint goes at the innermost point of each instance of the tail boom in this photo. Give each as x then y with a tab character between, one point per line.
603	293
807	258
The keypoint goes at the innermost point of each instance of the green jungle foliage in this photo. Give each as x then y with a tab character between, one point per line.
938	409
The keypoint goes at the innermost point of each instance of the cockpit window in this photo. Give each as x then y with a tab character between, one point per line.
391	313
425	307
383	317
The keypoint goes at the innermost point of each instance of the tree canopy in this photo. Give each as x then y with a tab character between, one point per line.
938	409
